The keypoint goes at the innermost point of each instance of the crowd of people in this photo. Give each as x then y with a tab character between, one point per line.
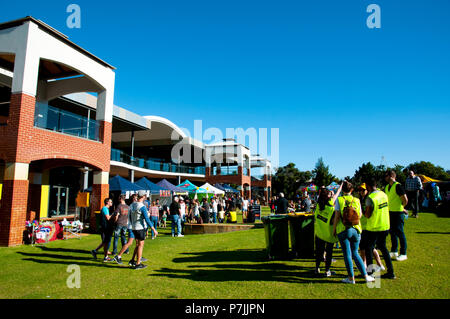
141	216
359	222
360	219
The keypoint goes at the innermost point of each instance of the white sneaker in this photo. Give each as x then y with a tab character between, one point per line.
379	268
369	278
402	258
330	273
348	281
180	235
393	255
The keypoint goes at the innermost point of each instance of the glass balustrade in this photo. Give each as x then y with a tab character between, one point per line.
54	119
154	164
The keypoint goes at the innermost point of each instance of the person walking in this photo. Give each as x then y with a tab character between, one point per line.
397	200
106	230
215	209
175	216
349	233
378	225
183	208
245	205
413	186
154	217
125	249
323	231
139	222
121	213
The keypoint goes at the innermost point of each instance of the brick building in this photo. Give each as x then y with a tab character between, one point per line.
60	132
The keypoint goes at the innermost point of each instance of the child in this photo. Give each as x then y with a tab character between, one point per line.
163	219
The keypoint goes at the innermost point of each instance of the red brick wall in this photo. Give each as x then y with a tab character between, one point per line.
13	212
21	142
98	195
24	143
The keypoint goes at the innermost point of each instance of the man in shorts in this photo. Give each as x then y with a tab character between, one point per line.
139	222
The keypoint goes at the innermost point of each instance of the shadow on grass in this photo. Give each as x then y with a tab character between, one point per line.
241	272
433	232
250	265
68	260
64	250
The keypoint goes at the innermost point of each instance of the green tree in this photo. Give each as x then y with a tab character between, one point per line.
430	170
287	180
368	171
321	174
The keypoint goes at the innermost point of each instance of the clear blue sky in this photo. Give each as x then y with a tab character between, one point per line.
335	88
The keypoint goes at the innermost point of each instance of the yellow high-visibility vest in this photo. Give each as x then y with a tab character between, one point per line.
323	224
395	202
340	227
379	220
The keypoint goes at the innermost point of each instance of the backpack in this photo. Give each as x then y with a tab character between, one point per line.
350	216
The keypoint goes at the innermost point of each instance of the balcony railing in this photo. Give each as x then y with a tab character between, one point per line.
154	164
54	119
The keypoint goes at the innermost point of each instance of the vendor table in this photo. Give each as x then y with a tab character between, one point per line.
71	231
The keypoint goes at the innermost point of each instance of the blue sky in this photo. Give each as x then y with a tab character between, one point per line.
335	88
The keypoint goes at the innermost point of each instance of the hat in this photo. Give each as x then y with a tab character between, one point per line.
363	186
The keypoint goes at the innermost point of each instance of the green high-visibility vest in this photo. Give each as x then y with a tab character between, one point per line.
395	202
379	220
323	223
355	204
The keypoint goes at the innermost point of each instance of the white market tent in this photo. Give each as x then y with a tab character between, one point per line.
211	189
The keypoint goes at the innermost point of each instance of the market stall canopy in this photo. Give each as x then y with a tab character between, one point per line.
120	184
167	185
426	179
211	189
218	186
152	187
333	187
229	189
311	188
191	188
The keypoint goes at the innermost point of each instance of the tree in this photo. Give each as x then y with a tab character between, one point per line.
287	180
430	170
367	171
321	174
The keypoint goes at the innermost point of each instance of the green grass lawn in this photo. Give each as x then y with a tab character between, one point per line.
227	265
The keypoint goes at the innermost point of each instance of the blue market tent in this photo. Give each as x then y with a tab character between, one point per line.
167	185
191	188
149	186
120	184
219	186
229	189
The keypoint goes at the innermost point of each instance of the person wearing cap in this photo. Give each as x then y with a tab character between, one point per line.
363	193
397	213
